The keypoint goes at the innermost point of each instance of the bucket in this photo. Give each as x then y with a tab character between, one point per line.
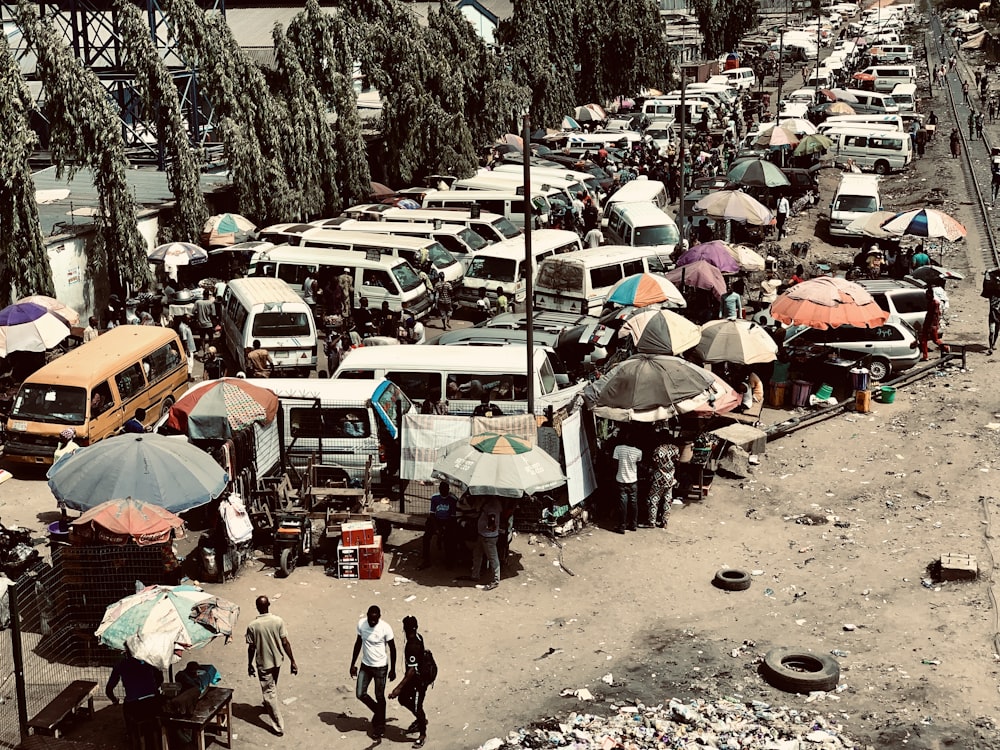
776	394
859	378
863	401
888	394
58	531
800	392
824	392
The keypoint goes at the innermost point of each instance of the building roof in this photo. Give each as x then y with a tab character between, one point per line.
69	206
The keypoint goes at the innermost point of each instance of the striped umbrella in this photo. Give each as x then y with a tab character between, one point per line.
53	305
495	464
497	444
221	408
661	332
178	254
30	327
925	222
644	289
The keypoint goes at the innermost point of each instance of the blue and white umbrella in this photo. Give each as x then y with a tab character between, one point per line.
30	327
925	222
178	254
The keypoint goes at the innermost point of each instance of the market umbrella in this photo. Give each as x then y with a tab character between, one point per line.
777	137
715	252
935	274
159	622
841	108
510	139
178	254
815	143
748	258
650	388
734	205
590	113
798	125
828	302
165	471
758	173
724	399
120	521
864	77
31	327
871	224
925	222
701	275
53	305
644	289
735	340
492	463
845	95
568	123
222	408
378	191
828	95
661	332
226	229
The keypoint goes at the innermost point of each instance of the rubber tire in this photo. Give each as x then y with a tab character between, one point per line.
879	365
288	560
165	406
882	167
800	671
732	579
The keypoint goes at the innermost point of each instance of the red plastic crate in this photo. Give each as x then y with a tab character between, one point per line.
371	552
357	533
372	571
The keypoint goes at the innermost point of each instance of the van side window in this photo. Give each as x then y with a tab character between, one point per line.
417	385
294	274
377	278
356	374
310	422
130	381
605	275
859	141
889	144
265	269
654	264
632	267
162	361
497	387
100	399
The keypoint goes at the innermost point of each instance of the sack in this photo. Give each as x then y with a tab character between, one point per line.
428	668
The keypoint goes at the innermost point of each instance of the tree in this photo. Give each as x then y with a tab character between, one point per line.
84	132
24	263
724	24
541	53
162	106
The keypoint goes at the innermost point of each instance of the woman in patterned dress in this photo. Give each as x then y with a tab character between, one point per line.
661	488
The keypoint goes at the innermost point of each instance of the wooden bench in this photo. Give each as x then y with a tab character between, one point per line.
67	703
751	416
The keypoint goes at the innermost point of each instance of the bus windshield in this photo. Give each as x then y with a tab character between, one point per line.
406	277
54	404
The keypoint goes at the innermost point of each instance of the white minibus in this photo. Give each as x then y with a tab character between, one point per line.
890	122
880	102
269	311
856	196
639	191
905	95
881	151
887	76
508	203
491	227
642	225
555	176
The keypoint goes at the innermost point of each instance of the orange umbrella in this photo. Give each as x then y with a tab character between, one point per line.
841	108
827	302
118	521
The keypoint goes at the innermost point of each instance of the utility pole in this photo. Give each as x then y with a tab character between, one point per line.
680	152
529	287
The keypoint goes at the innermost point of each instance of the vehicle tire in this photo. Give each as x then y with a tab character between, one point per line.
800	672
879	368
288	560
165	406
732	579
881	167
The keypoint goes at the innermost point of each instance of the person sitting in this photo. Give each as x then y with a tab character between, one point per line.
136	423
352	426
486	408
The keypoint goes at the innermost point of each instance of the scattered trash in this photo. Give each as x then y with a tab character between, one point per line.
932	662
582	694
848	626
608	679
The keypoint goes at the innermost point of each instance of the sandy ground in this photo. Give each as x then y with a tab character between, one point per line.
890	492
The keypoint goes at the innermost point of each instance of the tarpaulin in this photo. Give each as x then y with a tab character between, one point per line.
425	437
580	478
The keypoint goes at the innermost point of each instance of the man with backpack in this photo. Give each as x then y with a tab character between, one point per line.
421	671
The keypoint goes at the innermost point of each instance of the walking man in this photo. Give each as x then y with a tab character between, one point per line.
267	647
412	689
965	91
443	290
995	184
204	310
930	331
441	521
628	458
781	215
259	359
488	526
186	336
991	291
378	661
972	123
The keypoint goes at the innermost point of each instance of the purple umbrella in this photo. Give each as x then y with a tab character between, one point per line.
714	252
700	275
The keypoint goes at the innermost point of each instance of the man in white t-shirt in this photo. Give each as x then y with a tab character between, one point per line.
378	660
628	458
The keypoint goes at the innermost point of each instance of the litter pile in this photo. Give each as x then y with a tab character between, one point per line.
722	724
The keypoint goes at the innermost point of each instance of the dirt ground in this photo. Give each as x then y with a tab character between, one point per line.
887	493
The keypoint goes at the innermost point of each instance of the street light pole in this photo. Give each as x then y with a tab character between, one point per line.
529	303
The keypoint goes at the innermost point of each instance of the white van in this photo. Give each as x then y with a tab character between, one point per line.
742	78
418	243
642	225
820	78
879	102
508	203
344	423
888	76
693	112
639	191
463	375
579	282
488	179
379	279
269	311
881	151
724	91
856	196
894	53
491	227
886	122
905	96
555	176
503	265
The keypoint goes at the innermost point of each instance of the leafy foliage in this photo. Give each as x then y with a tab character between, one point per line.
85	132
162	106
723	24
24	265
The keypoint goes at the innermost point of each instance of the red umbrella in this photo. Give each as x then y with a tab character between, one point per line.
828	302
118	521
221	407
864	77
701	275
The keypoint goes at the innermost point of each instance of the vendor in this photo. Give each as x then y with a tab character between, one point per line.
141	682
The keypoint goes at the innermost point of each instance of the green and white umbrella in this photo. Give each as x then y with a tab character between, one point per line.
492	463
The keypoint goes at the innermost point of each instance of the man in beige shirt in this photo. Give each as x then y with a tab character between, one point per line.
267	645
259	359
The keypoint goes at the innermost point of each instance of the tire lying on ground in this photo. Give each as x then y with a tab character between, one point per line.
800	671
732	579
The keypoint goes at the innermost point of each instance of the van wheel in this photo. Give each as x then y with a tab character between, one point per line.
879	369
165	406
882	167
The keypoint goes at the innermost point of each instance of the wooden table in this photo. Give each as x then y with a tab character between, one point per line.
213	710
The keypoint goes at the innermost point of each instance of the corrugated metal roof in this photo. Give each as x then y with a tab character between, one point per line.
75	211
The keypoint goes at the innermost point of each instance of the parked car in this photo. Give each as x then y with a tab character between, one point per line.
903	299
890	348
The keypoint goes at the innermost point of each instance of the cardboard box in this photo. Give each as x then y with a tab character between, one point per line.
348	570
370	553
348	554
357	533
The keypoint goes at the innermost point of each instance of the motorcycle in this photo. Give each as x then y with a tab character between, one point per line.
292	540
